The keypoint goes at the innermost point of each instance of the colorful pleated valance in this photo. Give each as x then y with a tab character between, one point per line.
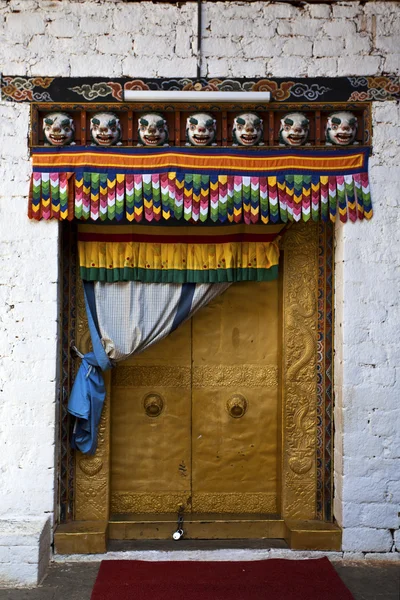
151	254
200	185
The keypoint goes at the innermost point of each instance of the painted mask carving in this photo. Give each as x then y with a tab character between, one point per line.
341	129
58	129
105	129
294	129
247	129
201	129
152	130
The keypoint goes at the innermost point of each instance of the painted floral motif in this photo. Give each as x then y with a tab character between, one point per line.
97	90
278	92
68	89
379	88
21	89
309	92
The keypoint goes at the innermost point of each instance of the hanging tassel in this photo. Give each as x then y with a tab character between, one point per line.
273	200
223	198
324	181
297	197
315	194
204	197
138	197
350	197
366	196
254	199
332	197
66	191
237	199
86	196
111	195
36	195
306	203
155	183
188	197
55	195
79	195
147	197
46	209
179	195
358	195
164	184
171	192
264	203
196	197
214	198
129	197
94	196
120	197
341	198
246	199
281	186
289	183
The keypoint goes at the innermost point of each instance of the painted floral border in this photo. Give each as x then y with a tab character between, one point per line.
90	89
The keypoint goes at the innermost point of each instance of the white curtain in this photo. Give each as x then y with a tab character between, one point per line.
124	319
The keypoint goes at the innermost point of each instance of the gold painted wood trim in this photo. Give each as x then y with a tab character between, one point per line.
201	526
299	373
127	502
241	375
92	473
159	376
260	503
298	383
87	537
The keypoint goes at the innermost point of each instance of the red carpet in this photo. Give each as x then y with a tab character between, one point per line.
274	579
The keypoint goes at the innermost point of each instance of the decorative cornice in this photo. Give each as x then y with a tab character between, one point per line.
291	90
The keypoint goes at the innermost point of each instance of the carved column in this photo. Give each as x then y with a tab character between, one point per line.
299	384
92	491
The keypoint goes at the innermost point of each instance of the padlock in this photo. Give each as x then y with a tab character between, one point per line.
178	534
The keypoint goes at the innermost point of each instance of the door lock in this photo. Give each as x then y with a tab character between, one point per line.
178	534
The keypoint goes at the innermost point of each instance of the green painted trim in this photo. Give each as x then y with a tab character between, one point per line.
177	276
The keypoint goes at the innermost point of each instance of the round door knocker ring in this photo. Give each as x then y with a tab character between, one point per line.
237	406
153	405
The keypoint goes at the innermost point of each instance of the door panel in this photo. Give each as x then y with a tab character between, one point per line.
200	451
235	401
150	452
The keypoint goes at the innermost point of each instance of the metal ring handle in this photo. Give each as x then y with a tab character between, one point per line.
237	406
153	405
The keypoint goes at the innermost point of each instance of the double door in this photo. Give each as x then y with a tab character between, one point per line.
195	419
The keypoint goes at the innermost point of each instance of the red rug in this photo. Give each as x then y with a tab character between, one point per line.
273	579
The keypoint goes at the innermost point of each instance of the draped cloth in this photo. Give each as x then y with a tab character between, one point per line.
125	319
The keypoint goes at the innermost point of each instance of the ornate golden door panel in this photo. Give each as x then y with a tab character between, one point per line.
235	401
223	420
194	418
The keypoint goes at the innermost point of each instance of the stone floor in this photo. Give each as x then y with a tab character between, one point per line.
367	580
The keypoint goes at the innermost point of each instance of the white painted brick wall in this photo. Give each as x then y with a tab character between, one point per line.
109	38
367	355
113	38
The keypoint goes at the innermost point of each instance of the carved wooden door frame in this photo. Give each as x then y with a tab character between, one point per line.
307	405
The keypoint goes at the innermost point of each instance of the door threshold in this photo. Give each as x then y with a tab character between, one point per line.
92	537
201	526
186	545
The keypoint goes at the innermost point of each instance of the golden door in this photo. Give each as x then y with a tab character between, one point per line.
194	419
207	422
